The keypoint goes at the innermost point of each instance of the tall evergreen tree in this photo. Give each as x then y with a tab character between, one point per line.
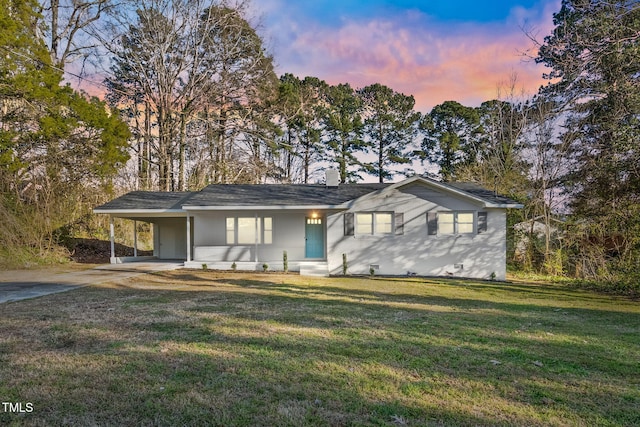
594	57
390	126
300	103
453	138
343	127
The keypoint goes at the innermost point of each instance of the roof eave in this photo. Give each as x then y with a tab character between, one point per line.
441	186
265	207
457	191
137	211
504	205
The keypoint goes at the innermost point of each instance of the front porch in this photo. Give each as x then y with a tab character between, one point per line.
238	237
261	240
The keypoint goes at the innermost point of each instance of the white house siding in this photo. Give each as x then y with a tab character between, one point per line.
415	251
288	235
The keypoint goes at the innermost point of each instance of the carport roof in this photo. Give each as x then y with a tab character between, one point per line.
148	201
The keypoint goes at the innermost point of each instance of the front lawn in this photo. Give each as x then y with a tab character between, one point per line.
236	349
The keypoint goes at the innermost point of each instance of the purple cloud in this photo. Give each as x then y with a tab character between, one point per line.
410	51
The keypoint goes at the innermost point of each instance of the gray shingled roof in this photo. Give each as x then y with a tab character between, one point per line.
280	194
481	192
219	195
152	200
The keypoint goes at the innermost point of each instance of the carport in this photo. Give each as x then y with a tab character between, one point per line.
172	226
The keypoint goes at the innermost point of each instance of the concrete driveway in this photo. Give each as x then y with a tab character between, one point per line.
22	284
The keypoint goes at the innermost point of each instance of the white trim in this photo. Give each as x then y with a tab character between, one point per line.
112	238
257	237
265	207
136	211
188	238
135	238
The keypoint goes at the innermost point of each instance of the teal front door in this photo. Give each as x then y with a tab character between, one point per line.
314	236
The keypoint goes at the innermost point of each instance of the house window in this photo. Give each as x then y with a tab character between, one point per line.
374	223
249	230
268	230
446	223
464	222
383	223
450	223
364	223
231	231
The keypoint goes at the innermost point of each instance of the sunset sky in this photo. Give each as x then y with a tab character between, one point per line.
435	50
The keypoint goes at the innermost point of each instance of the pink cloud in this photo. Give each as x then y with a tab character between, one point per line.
416	56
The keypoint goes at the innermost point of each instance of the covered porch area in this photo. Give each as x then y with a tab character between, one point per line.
260	240
172	226
172	238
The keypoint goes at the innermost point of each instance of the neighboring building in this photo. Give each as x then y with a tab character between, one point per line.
532	234
416	226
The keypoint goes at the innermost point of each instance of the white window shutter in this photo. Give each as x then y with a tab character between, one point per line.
482	222
349	227
432	223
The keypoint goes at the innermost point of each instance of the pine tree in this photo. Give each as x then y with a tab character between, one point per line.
594	60
390	127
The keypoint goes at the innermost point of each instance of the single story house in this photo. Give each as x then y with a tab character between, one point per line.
417	226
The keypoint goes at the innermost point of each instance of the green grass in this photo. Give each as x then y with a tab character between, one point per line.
234	349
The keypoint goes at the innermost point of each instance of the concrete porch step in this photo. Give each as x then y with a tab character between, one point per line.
309	268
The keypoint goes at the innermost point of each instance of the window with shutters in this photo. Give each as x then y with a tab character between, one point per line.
449	223
373	223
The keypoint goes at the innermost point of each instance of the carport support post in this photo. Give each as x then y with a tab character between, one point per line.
135	239
188	238
112	237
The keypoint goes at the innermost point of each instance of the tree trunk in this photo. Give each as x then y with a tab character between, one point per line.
55	4
306	161
342	160
182	183
146	166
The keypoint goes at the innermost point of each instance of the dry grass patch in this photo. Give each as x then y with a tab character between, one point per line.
236	349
